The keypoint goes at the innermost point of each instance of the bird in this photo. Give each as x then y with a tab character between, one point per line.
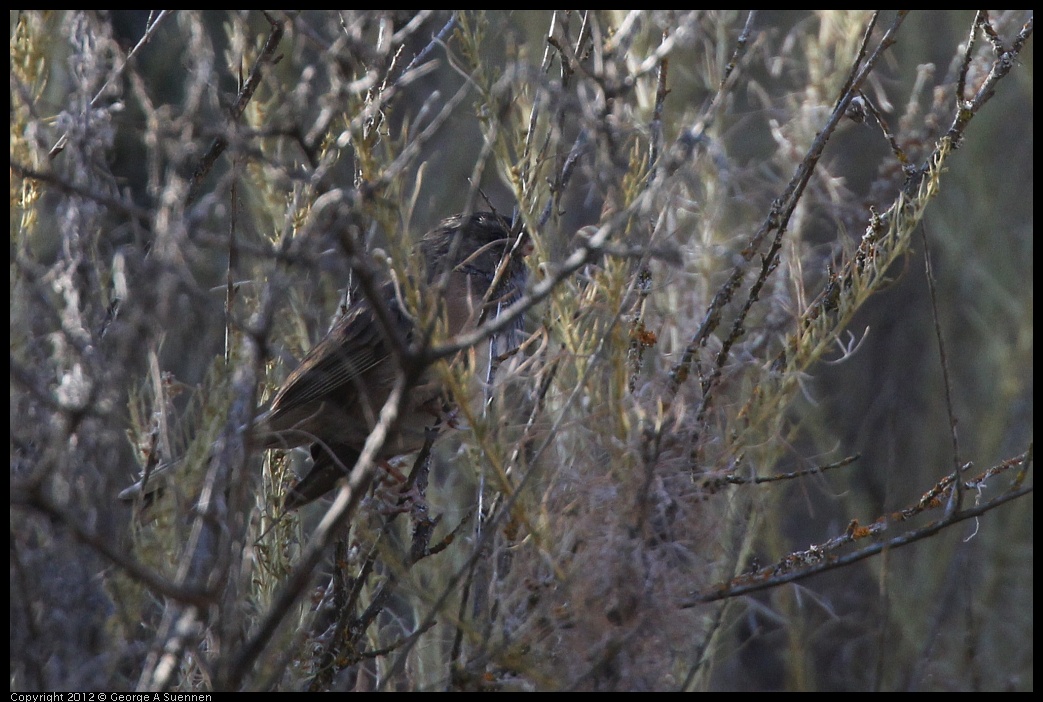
332	399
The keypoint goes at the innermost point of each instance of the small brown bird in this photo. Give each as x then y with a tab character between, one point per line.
332	399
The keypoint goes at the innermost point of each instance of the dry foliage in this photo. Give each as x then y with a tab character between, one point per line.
775	384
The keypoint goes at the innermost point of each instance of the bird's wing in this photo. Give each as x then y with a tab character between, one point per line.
356	344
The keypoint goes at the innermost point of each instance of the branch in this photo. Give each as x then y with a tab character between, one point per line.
817	558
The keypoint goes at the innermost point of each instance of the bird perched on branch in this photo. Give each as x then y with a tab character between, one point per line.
333	398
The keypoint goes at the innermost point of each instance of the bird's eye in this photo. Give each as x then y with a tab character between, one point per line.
477	272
